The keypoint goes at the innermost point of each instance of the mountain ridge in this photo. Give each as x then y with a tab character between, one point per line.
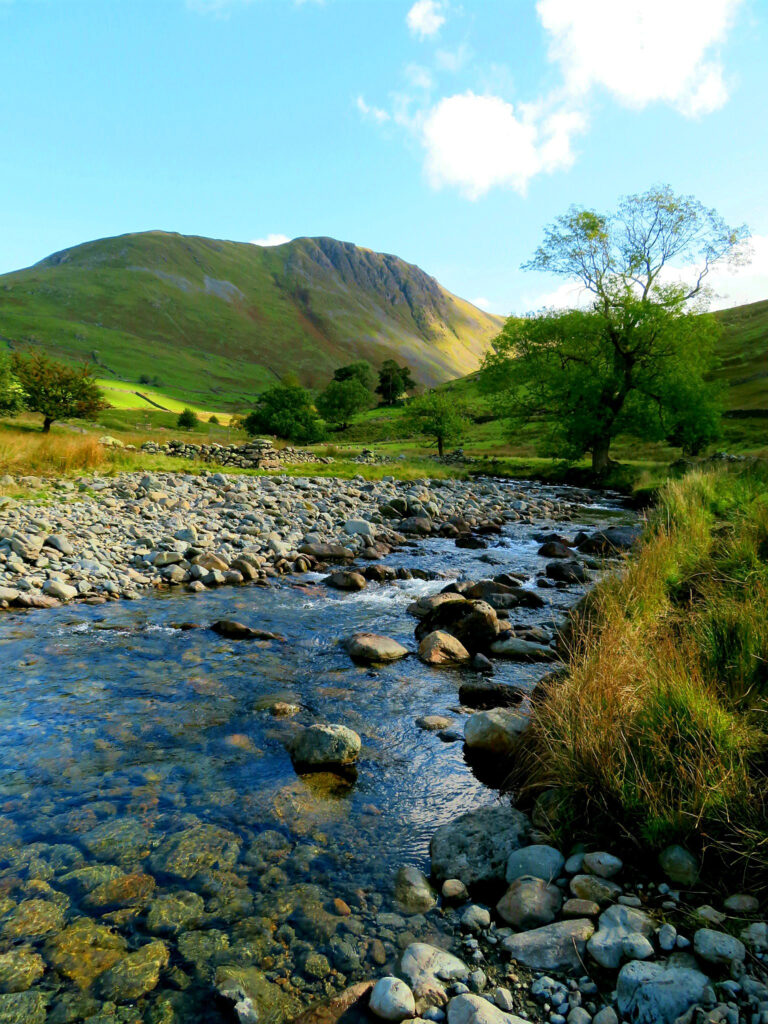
224	319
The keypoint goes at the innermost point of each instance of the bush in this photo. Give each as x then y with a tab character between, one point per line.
213	419
285	411
188	419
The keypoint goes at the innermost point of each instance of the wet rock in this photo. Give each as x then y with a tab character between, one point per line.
83	880
134	975
651	993
425	605
85	950
237	631
124	841
413	893
475	847
346	581
454	891
718	948
33	919
567	572
442	649
522	650
320	747
554	549
485	694
174	913
196	849
348	1008
611	541
537	861
256	999
580	908
126	891
23	1008
614	925
680	866
471	1009
741	903
428	970
556	947
529	903
497	731
391	999
372	648
20	969
328	552
756	936
434	723
475	919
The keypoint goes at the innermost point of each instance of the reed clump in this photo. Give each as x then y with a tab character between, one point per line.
660	727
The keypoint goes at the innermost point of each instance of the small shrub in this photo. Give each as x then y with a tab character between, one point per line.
188	419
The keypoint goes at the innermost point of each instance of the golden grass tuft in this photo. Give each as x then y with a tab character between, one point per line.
29	453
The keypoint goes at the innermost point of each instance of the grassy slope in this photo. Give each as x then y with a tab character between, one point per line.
212	322
744	355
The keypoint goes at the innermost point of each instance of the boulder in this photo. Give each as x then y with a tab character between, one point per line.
485	693
590	887
555	947
522	650
475	847
428	970
442	649
652	993
319	747
537	861
614	925
471	1009
237	631
327	552
604	865
372	648
391	999
567	572
413	893
134	975
424	605
612	541
497	731
718	947
554	549
344	580
529	903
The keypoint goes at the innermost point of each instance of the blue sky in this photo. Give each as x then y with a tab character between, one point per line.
446	132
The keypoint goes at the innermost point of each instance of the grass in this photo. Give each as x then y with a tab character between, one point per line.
660	724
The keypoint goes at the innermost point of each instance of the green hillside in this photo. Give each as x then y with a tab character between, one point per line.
744	356
212	322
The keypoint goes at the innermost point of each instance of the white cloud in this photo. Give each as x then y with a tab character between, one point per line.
642	51
478	142
736	285
482	303
425	18
271	240
375	113
419	77
452	60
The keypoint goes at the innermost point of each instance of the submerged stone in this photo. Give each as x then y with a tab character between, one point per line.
85	950
33	919
196	849
134	975
20	969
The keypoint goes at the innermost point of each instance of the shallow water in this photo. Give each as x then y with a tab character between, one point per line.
119	730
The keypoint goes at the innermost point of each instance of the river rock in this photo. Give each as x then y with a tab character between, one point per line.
590	887
197	848
428	969
555	947
256	999
391	999
604	865
20	969
442	649
537	861
522	650
529	903
717	947
133	890
413	893
84	950
567	572
652	993
24	1008
680	866
475	847
434	723
370	647
344	580
497	731
741	903
134	975
319	747
471	1009
174	913
614	925
238	631
33	919
484	693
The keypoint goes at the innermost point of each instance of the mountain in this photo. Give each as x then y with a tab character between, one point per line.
744	357
216	321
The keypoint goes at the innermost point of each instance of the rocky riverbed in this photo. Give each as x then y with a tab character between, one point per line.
234	802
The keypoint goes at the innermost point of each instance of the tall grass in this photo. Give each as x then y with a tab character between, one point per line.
30	453
661	724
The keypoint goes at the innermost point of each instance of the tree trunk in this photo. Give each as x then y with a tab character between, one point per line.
47	421
440	447
600	456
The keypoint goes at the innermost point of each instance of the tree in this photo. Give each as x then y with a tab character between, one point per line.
55	390
621	365
213	419
361	370
286	411
439	415
342	400
10	392
188	419
394	381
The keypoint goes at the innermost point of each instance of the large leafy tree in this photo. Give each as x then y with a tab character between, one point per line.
361	371
55	390
285	411
438	415
394	381
10	392
635	360
342	400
